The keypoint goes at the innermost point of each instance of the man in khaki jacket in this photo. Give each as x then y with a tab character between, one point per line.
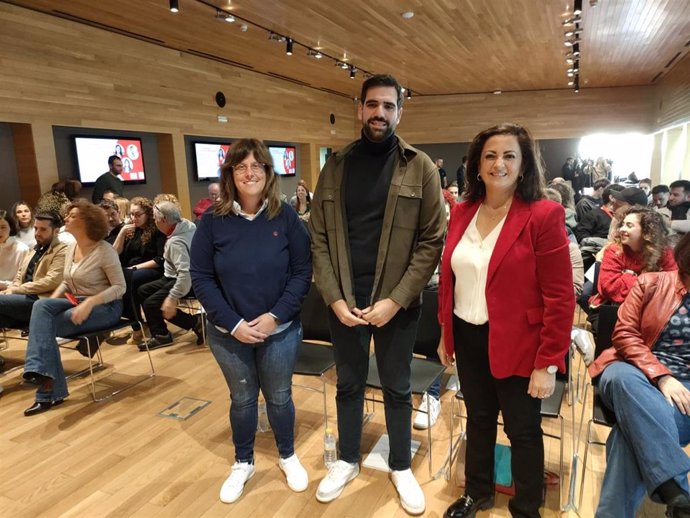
39	274
377	224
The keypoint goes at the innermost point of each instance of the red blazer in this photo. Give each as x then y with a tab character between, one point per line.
529	288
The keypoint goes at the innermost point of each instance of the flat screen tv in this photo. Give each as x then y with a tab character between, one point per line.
208	157
92	155
284	162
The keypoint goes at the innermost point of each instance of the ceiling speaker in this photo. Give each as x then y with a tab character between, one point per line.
332	118
220	99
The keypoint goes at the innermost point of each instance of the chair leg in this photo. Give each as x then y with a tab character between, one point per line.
584	461
428	434
325	406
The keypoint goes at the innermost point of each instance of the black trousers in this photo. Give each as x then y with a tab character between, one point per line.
484	396
393	345
151	296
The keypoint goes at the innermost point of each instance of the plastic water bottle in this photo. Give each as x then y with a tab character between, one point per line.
330	455
263	425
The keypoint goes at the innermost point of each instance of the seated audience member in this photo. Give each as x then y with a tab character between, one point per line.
302	199
159	298
24	218
575	254
645	380
40	273
646	185
93	280
568	202
205	203
164	196
115	223
11	250
108	195
590	201
54	202
679	203
454	190
628	197
140	245
70	188
123	206
596	222
640	246
660	196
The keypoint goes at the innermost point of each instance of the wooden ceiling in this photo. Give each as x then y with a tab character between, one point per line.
447	47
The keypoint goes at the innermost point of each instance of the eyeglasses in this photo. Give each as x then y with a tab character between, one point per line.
256	168
136	214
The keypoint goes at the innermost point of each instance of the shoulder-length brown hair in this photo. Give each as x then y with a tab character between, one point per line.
530	186
654	235
95	221
228	192
149	228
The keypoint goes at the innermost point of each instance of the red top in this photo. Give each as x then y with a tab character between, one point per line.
201	206
529	288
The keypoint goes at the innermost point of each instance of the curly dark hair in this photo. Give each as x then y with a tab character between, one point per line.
95	221
149	228
530	187
654	234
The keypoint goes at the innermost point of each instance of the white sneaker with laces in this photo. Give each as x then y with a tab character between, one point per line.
234	485
411	495
339	475
297	478
431	405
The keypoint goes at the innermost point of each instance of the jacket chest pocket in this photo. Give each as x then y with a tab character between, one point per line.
328	204
408	206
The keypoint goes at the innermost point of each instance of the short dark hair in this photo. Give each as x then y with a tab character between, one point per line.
606	195
601	183
112	159
54	219
658	189
10	221
381	80
685	184
682	254
646	180
108	205
531	186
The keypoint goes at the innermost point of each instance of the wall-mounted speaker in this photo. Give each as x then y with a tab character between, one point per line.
220	99
332	118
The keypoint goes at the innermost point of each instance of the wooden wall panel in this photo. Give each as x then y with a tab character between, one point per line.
673	96
547	114
65	73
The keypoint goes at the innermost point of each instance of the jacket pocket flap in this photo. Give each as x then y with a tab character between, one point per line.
535	315
410	191
328	194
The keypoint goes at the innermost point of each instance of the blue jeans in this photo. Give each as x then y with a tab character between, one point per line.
51	318
645	447
268	366
15	310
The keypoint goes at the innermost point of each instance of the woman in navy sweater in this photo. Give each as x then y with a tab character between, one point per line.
251	269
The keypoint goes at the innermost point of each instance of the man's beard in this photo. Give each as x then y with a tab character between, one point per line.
378	135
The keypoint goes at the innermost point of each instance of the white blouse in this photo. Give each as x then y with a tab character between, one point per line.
470	264
12	254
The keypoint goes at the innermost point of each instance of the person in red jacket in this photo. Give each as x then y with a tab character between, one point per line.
506	307
638	247
645	379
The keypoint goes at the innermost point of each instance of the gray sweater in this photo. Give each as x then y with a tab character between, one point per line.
176	255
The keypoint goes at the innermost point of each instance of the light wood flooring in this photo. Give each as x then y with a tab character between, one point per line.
120	459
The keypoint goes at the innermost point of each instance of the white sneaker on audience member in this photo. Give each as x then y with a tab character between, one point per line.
411	495
234	485
431	405
339	475
297	478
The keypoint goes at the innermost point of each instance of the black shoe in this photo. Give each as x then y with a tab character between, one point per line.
199	330
41	406
467	507
679	507
157	342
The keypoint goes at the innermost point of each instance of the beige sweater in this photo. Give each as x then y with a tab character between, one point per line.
98	272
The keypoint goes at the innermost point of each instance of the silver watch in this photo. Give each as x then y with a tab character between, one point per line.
552	369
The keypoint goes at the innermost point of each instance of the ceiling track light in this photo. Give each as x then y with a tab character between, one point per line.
576	49
174	6
314	54
577	7
226	17
288	47
572	32
274	36
409	93
341	64
569	61
577	84
572	21
353	72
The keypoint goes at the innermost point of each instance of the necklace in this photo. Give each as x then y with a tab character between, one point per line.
498	212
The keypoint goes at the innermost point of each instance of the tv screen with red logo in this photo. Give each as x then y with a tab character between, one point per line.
208	157
284	161
92	158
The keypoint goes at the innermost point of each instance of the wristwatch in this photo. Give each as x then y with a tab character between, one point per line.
552	369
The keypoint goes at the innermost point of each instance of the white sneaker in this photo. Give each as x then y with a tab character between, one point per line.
297	478
234	485
335	481
411	495
431	405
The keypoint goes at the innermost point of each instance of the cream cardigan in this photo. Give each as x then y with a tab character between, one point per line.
99	272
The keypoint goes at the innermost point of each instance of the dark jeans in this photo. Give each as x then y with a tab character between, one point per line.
139	278
269	366
393	345
484	397
15	310
151	296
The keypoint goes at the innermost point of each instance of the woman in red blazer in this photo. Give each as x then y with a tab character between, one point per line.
506	308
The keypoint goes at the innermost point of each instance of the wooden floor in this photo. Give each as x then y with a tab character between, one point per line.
120	459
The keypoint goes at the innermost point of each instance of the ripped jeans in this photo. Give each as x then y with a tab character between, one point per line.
267	366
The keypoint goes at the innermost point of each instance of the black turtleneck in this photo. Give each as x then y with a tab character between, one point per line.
680	211
368	173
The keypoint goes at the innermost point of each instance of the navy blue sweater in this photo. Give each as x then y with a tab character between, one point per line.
242	269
